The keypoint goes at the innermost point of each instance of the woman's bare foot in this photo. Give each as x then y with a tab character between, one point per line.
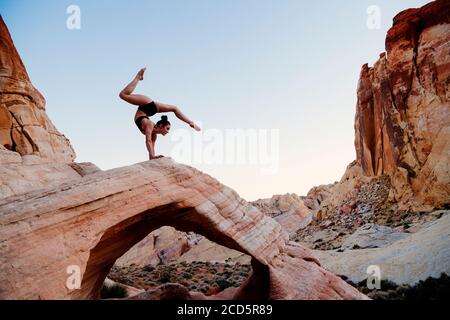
196	127
140	74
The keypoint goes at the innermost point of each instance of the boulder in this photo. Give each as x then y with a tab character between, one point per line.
161	246
372	236
288	210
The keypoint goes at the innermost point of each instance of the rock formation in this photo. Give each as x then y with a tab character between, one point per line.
373	236
402	123
401	173
25	129
33	154
64	224
288	210
208	251
163	245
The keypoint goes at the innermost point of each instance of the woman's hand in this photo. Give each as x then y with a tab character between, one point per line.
156	157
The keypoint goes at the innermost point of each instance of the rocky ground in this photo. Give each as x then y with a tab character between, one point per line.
430	289
370	205
205	277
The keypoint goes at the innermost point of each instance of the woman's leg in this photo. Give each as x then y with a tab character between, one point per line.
136	99
162	107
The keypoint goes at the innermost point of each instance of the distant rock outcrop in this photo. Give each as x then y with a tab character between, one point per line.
288	210
163	245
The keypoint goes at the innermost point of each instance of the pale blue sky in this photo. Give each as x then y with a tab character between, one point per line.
247	64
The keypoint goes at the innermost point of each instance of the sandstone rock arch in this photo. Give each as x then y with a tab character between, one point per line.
119	238
92	221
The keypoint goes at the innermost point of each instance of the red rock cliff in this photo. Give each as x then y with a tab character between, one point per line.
403	111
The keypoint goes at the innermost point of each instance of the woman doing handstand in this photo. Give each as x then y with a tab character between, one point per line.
148	108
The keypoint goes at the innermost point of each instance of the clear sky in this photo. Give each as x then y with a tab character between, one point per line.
286	65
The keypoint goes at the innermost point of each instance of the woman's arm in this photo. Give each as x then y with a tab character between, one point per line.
149	140
150	148
154	136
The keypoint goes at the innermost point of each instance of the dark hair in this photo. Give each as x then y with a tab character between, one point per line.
163	122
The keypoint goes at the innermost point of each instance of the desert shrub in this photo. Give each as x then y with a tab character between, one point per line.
148	268
113	291
165	277
223	284
430	289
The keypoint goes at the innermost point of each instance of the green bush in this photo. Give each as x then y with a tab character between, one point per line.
429	289
114	291
223	284
165	277
148	268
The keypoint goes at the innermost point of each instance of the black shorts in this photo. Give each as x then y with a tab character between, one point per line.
149	109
